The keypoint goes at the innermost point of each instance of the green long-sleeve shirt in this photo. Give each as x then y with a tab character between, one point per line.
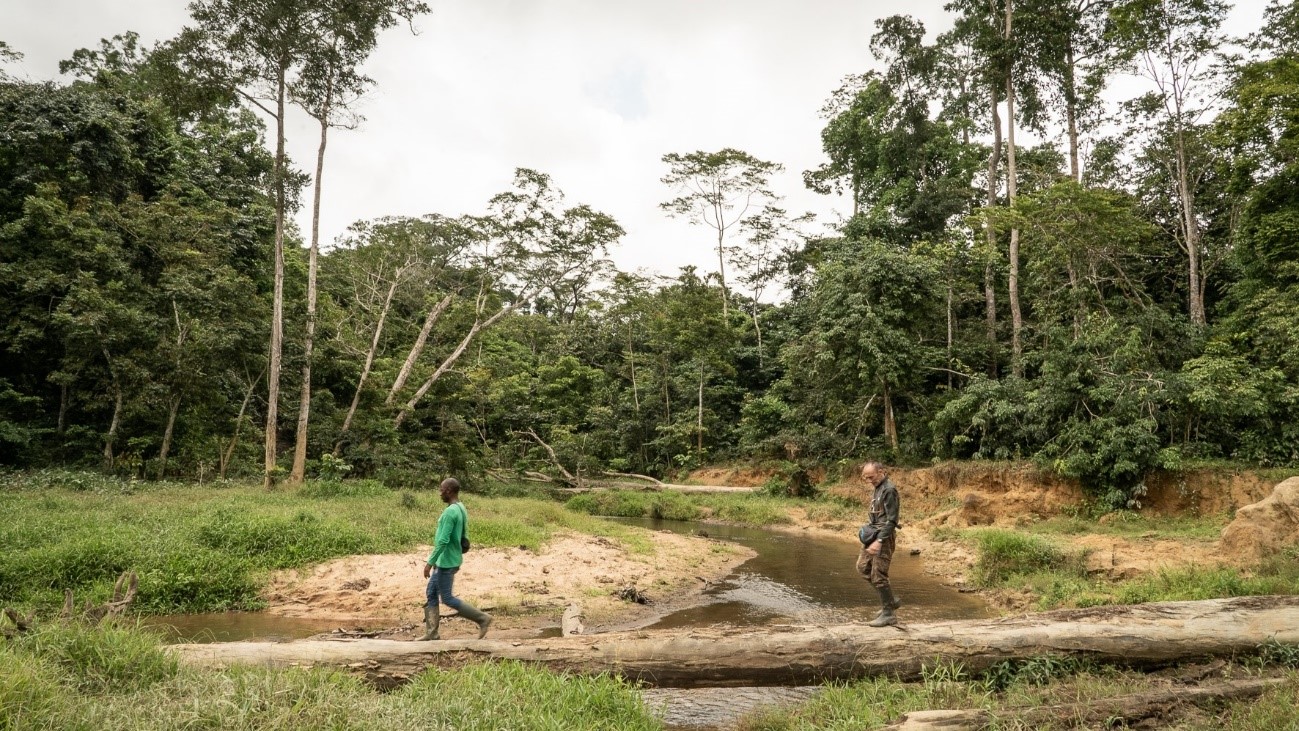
446	542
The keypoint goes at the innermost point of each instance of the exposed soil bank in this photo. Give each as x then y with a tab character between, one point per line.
528	591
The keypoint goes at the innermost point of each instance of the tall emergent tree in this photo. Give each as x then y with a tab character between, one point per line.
328	89
1174	42
718	190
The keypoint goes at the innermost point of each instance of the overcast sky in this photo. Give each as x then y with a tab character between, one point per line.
592	92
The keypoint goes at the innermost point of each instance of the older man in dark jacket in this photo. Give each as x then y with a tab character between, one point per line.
879	538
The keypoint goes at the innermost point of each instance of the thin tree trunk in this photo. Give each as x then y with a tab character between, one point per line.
299	471
417	348
113	424
173	408
890	426
1196	291
229	452
1071	112
721	270
1016	314
277	298
64	397
757	330
989	278
631	358
116	420
699	419
951	328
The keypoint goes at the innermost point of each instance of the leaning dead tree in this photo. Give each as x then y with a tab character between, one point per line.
1142	636
566	477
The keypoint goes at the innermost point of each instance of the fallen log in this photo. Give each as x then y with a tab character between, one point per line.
1146	635
1126	709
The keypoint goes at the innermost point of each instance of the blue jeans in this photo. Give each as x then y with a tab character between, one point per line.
439	587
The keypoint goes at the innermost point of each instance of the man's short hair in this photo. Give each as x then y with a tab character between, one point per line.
451	484
879	467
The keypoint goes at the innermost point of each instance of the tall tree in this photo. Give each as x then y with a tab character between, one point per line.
328	89
262	44
718	190
1173	43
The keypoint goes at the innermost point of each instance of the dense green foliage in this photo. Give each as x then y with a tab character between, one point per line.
1153	280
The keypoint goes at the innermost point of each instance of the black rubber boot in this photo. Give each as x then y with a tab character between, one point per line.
893	602
480	618
431	620
887	616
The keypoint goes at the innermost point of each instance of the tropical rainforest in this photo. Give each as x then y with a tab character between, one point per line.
1033	266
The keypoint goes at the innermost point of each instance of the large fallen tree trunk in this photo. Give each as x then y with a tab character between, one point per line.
1147	635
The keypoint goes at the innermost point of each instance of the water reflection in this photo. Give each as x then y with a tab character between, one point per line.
808	579
237	626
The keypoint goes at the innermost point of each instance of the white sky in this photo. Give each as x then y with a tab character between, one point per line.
591	92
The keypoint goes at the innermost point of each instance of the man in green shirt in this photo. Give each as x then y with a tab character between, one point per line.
444	562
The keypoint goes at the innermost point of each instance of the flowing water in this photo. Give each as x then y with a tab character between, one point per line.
810	579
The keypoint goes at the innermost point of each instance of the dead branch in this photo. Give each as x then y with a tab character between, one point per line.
568	477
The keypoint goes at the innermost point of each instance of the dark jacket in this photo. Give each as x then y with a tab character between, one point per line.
884	509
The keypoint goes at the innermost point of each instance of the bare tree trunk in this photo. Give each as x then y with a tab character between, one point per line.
173	408
989	280
450	361
951	328
299	471
369	360
1192	230
1071	113
721	263
277	298
631	358
890	425
116	420
699	420
417	348
1016	314
1141	636
113	424
64	397
757	331
229	452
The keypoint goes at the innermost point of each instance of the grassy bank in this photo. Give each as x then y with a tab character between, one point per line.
208	548
1058	576
73	677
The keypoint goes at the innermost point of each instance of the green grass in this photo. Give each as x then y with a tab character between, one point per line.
210	548
72	677
741	509
1127	524
1007	556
